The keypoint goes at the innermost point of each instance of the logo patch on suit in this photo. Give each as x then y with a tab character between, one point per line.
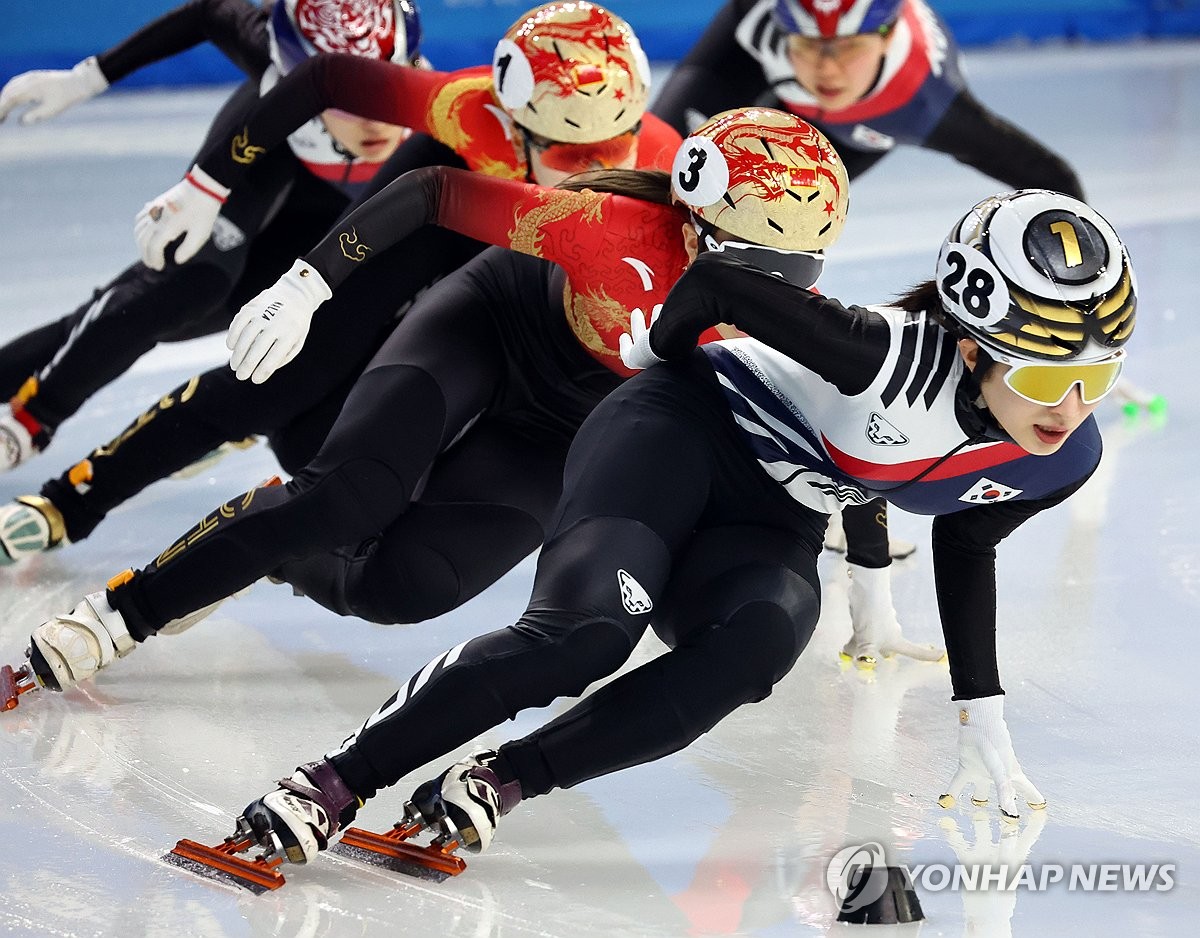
633	597
870	139
226	235
986	491
882	433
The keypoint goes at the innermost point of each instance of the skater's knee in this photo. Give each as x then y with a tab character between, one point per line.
576	653
772	640
346	504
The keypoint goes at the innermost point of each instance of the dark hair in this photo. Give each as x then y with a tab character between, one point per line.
923	298
649	185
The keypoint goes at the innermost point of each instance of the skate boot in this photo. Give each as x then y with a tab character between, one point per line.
70	648
466	801
876	630
299	818
21	436
30	524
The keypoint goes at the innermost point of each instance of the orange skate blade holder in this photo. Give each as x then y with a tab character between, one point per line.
394	844
259	874
14	683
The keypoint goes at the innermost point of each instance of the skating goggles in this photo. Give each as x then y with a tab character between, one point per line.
840	49
578	157
1049	383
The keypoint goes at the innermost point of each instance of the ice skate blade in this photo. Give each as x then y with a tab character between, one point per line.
392	850
13	684
222	864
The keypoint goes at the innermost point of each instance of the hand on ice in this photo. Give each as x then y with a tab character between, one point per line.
986	759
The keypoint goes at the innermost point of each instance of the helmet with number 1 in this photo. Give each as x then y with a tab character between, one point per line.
377	29
1038	276
764	176
828	19
572	73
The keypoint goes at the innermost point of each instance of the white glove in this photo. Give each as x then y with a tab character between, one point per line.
270	330
873	619
635	344
986	758
52	92
189	208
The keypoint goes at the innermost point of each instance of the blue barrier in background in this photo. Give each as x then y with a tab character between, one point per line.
463	32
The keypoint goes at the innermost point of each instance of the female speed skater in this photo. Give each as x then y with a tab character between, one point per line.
278	209
597	124
872	75
695	497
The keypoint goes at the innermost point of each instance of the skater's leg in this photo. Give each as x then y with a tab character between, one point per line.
436	374
742	605
197	417
602	571
486	506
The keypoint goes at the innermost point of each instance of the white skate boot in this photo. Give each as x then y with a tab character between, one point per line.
466	801
29	525
16	440
70	648
300	818
876	631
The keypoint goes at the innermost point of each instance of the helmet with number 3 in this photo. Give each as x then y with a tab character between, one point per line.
376	29
764	176
1038	276
828	19
572	73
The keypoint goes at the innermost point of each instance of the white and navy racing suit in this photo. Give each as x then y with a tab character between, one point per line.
694	501
919	98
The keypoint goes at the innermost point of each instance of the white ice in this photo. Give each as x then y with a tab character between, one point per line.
1098	600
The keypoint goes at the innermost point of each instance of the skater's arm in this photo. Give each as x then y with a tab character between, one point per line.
237	27
369	88
964	565
845	345
497	211
977	137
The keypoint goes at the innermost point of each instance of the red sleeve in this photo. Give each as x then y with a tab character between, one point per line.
657	144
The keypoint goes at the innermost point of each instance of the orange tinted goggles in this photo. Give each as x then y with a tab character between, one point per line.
577	157
1049	384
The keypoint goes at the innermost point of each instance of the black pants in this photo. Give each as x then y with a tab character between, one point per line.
665	519
280	212
440	473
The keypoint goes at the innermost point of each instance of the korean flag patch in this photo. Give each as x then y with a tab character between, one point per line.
985	491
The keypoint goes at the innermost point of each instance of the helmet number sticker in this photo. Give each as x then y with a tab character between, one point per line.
699	175
1072	256
512	75
970	286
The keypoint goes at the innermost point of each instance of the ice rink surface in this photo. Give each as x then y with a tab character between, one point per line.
1098	603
